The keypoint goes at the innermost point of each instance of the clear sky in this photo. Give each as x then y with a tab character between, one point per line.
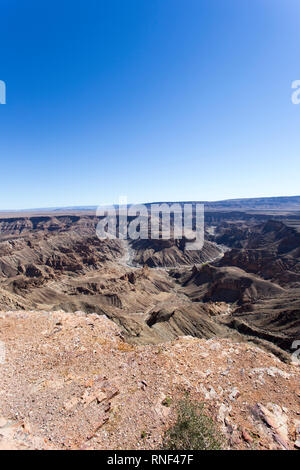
153	99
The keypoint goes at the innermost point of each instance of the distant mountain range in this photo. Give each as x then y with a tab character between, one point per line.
284	203
288	203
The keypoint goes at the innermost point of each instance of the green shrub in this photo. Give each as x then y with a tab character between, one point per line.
193	430
167	402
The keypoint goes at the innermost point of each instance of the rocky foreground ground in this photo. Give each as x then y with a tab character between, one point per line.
70	381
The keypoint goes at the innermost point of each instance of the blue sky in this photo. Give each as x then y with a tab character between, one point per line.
156	100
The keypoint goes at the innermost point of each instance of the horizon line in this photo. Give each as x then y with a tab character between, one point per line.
93	206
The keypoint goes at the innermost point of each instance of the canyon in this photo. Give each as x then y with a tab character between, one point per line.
240	292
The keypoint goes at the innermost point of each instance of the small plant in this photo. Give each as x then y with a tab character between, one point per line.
144	434
193	430
167	402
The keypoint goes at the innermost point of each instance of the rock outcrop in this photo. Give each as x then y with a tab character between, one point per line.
69	381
